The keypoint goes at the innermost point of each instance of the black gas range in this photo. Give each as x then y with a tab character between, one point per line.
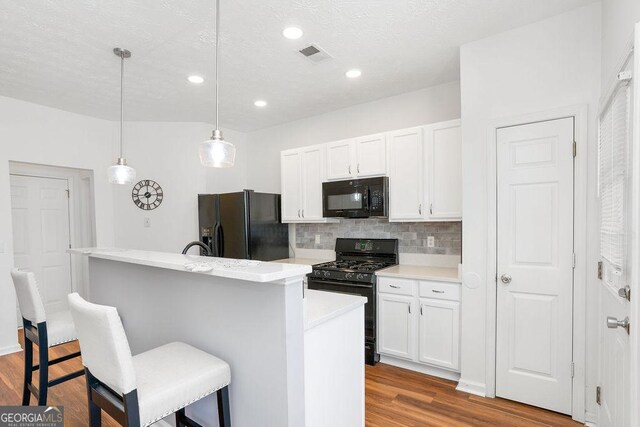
353	272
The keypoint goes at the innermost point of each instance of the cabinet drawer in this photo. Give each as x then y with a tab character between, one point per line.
396	286
440	290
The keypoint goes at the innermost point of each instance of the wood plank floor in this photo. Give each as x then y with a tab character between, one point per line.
394	397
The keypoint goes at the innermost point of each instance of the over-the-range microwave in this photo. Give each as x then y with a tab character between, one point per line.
356	198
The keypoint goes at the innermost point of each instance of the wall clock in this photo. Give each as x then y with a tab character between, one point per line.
147	195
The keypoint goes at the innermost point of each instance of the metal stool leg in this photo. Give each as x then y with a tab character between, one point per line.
224	413
28	365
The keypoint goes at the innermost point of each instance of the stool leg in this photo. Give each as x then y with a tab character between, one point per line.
28	367
43	353
224	413
95	413
180	417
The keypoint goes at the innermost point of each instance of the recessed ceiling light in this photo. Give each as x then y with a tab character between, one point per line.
260	103
292	33
196	79
352	74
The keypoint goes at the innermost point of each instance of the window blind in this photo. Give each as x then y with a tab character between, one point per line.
613	146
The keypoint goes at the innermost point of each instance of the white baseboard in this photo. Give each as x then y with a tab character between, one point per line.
472	387
419	367
10	349
590	419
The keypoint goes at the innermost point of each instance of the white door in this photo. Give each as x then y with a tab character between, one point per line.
291	186
535	264
440	333
396	330
616	254
443	143
312	177
371	153
40	216
340	159
406	167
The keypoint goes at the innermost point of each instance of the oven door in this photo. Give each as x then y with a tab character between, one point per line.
345	199
362	289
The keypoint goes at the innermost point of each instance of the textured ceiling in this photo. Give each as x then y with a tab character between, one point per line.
58	53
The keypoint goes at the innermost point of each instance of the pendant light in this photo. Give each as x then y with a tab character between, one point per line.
216	152
120	173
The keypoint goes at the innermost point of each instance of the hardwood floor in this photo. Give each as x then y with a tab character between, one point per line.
394	397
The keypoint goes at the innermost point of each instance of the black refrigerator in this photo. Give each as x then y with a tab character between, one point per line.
243	225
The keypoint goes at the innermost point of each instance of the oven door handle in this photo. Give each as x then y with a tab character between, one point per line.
341	284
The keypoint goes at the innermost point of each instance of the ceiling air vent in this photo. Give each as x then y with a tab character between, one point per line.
314	53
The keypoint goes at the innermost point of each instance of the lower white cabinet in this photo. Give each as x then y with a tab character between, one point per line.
419	321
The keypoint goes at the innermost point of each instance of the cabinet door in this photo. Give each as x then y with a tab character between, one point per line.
396	326
312	177
340	159
406	167
439	333
290	185
444	160
371	155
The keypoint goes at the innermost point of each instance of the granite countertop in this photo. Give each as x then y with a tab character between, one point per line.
421	272
320	306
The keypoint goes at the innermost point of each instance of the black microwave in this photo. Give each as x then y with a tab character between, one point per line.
356	198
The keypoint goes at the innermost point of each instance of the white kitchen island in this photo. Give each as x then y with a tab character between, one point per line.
252	316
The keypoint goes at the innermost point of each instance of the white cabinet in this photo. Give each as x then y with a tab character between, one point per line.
406	174
396	335
357	158
439	333
419	321
443	157
302	174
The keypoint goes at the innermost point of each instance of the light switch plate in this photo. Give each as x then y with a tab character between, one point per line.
431	242
317	239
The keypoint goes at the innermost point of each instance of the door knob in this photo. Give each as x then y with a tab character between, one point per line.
613	323
505	278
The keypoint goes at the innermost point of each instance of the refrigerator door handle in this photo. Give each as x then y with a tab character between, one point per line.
220	241
216	240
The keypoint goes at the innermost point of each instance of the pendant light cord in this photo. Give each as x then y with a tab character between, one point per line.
217	44
121	99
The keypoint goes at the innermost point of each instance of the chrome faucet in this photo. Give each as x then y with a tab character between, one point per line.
206	248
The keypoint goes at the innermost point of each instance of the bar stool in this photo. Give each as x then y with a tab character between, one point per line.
49	331
140	390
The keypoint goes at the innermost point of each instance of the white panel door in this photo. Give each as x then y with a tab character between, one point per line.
535	264
443	143
40	216
312	177
371	155
396	334
290	184
406	175
439	333
340	160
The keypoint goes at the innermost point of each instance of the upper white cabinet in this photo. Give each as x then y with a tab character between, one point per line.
302	174
357	158
443	157
406	174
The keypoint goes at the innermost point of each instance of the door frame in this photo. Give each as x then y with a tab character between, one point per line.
579	114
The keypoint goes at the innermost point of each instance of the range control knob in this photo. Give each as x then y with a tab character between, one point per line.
348	275
316	273
327	274
360	276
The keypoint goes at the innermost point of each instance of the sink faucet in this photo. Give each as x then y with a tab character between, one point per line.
206	248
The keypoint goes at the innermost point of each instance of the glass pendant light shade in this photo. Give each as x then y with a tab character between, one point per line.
120	173
216	152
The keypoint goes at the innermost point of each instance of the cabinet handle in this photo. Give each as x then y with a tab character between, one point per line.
358	168
421	311
349	169
420	208
437	292
409	306
431	208
302	213
394	286
298	213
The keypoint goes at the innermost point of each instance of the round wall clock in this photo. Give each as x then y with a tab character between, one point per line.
147	194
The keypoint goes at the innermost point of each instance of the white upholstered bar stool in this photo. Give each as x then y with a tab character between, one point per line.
45	331
140	390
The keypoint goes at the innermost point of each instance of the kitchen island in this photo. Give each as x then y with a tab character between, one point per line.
253	316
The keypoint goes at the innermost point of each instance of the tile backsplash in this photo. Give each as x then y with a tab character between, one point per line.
412	236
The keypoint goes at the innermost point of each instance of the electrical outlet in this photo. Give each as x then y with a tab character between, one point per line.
317	239
147	222
431	241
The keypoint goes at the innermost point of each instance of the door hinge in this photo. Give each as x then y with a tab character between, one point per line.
575	148
68	193
598	395
574	260
600	270
69	245
573	369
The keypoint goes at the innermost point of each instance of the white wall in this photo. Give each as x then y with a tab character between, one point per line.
36	134
168	154
618	20
433	104
550	64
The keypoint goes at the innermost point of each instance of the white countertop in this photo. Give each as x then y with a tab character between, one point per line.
302	261
421	272
262	272
321	306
